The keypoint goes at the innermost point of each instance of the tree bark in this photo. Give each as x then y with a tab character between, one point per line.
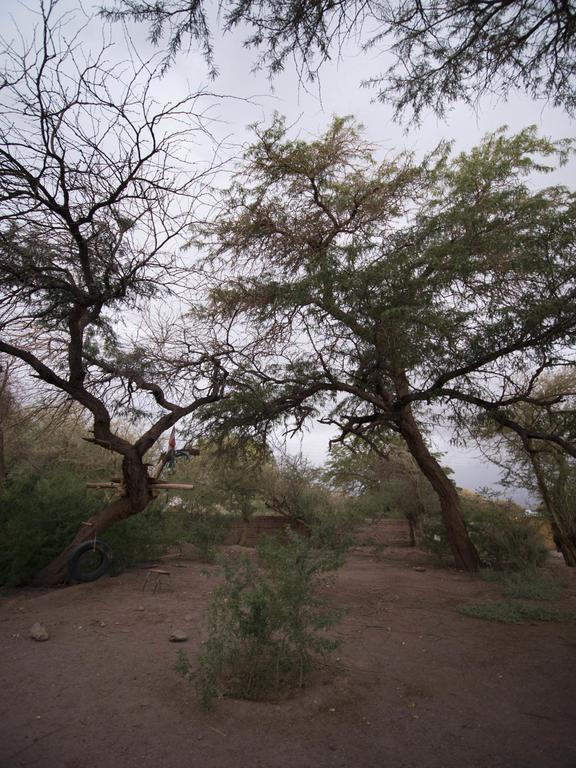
566	542
562	525
138	495
3	470
464	551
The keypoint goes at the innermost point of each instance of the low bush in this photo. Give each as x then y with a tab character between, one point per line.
147	535
504	538
514	612
533	585
267	624
39	515
206	531
333	528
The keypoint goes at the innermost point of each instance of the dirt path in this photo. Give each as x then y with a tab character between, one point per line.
419	685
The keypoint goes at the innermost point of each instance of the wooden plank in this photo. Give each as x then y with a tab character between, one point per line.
155	485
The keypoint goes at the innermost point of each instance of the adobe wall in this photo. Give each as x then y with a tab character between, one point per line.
385	532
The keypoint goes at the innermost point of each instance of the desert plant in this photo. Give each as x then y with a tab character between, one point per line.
207	531
514	612
267	624
533	585
147	536
505	538
38	514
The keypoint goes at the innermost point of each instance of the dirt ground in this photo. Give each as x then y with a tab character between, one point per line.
417	684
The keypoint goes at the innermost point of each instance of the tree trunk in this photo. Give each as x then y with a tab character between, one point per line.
243	538
563	531
412	528
3	470
567	546
137	498
560	518
463	549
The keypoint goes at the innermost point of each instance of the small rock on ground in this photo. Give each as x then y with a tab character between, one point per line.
39	632
178	636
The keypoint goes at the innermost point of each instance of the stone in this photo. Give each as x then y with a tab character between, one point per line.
188	617
178	636
39	632
419	568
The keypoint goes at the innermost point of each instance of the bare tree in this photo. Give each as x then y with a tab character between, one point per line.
96	185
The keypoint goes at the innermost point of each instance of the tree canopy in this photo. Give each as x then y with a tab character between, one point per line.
541	467
441	51
394	283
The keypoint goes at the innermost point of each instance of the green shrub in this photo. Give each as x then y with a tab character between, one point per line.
39	515
514	612
504	538
267	625
372	506
207	531
533	585
333	528
147	535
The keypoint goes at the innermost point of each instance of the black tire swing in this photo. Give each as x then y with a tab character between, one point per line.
90	560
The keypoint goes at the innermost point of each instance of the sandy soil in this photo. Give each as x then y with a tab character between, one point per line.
418	684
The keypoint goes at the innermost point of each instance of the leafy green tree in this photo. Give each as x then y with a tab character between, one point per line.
38	514
504	535
228	477
292	487
385	477
369	289
442	51
8	415
541	467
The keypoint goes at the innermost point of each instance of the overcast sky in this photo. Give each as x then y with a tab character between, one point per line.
337	93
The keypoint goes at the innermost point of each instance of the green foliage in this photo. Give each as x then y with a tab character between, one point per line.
437	53
40	439
372	506
504	538
292	487
227	478
245	480
514	613
267	624
401	274
207	531
333	527
533	585
542	467
39	515
147	535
